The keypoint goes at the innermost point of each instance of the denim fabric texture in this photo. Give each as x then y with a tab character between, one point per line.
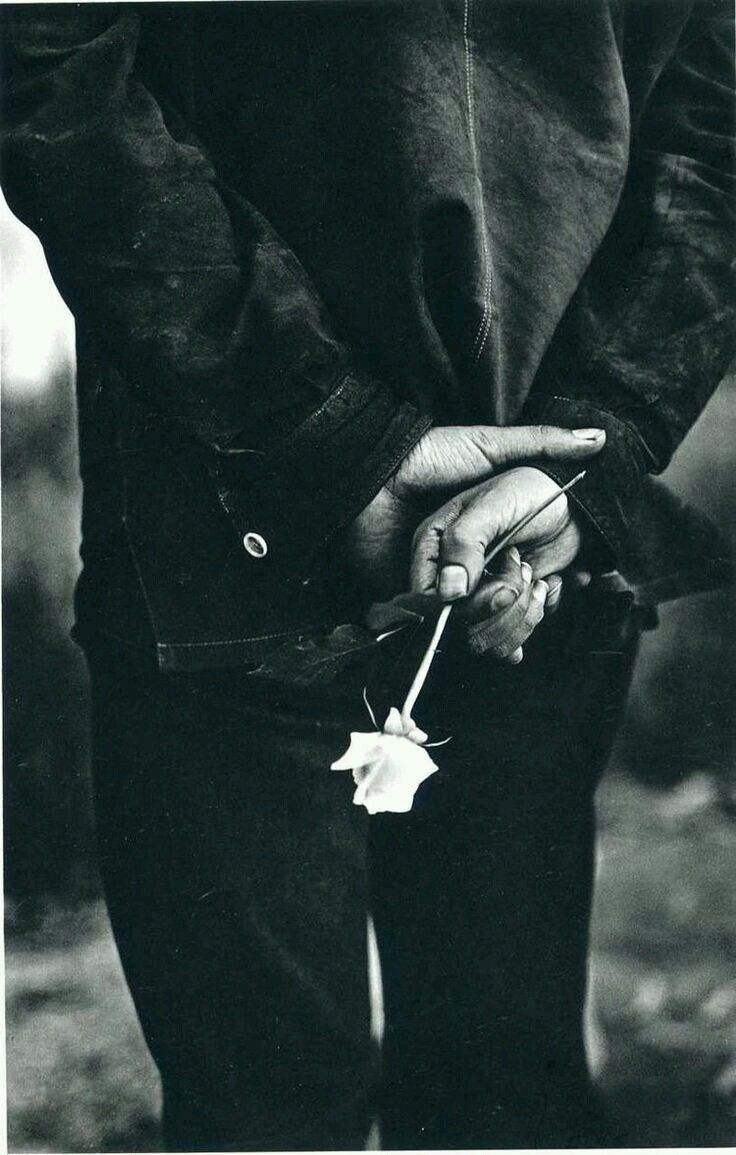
238	876
294	236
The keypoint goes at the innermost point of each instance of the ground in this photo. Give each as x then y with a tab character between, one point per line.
663	1042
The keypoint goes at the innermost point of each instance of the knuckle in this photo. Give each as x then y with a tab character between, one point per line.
486	441
493	449
517	584
478	641
506	648
534	615
482	641
456	537
427	533
545	436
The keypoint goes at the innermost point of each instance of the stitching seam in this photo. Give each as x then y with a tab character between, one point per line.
136	565
237	641
481	335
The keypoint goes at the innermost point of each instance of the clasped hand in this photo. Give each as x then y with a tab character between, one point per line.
411	560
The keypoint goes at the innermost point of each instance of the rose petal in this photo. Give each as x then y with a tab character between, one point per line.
389	766
389	779
385	804
363	778
360	751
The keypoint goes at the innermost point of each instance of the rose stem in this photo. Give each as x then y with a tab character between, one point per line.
421	675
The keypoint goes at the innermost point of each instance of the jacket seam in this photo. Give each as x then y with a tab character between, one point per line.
236	641
136	566
481	335
286	449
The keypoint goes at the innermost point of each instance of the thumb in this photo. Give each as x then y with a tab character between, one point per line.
457	456
515	443
487	512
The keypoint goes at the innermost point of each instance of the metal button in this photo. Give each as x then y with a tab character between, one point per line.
255	545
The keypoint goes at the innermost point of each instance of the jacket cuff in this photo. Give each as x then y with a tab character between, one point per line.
612	477
319	478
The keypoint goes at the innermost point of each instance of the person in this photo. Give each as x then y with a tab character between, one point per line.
355	287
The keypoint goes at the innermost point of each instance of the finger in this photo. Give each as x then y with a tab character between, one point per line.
554	581
504	583
454	457
505	566
502	634
464	541
500	591
425	548
534	616
505	446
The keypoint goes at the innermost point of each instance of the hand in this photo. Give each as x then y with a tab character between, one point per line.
453	457
499	618
449	551
449	547
445	461
505	610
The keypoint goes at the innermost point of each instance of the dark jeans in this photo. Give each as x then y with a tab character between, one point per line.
238	875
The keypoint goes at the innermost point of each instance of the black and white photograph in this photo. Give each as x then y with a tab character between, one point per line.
369	617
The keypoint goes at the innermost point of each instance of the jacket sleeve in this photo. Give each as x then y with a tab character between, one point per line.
186	287
652	329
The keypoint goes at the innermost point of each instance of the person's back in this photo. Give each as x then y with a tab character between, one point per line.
331	265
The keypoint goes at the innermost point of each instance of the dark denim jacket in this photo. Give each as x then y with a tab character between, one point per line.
295	235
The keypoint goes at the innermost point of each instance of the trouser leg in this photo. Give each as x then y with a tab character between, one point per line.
235	873
482	900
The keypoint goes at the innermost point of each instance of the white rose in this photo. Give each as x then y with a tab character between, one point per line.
387	765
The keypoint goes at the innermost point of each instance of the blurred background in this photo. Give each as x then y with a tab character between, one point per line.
663	1007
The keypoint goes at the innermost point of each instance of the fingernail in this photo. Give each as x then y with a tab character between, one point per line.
554	583
526	571
453	582
589	434
503	598
515	555
540	589
516	657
